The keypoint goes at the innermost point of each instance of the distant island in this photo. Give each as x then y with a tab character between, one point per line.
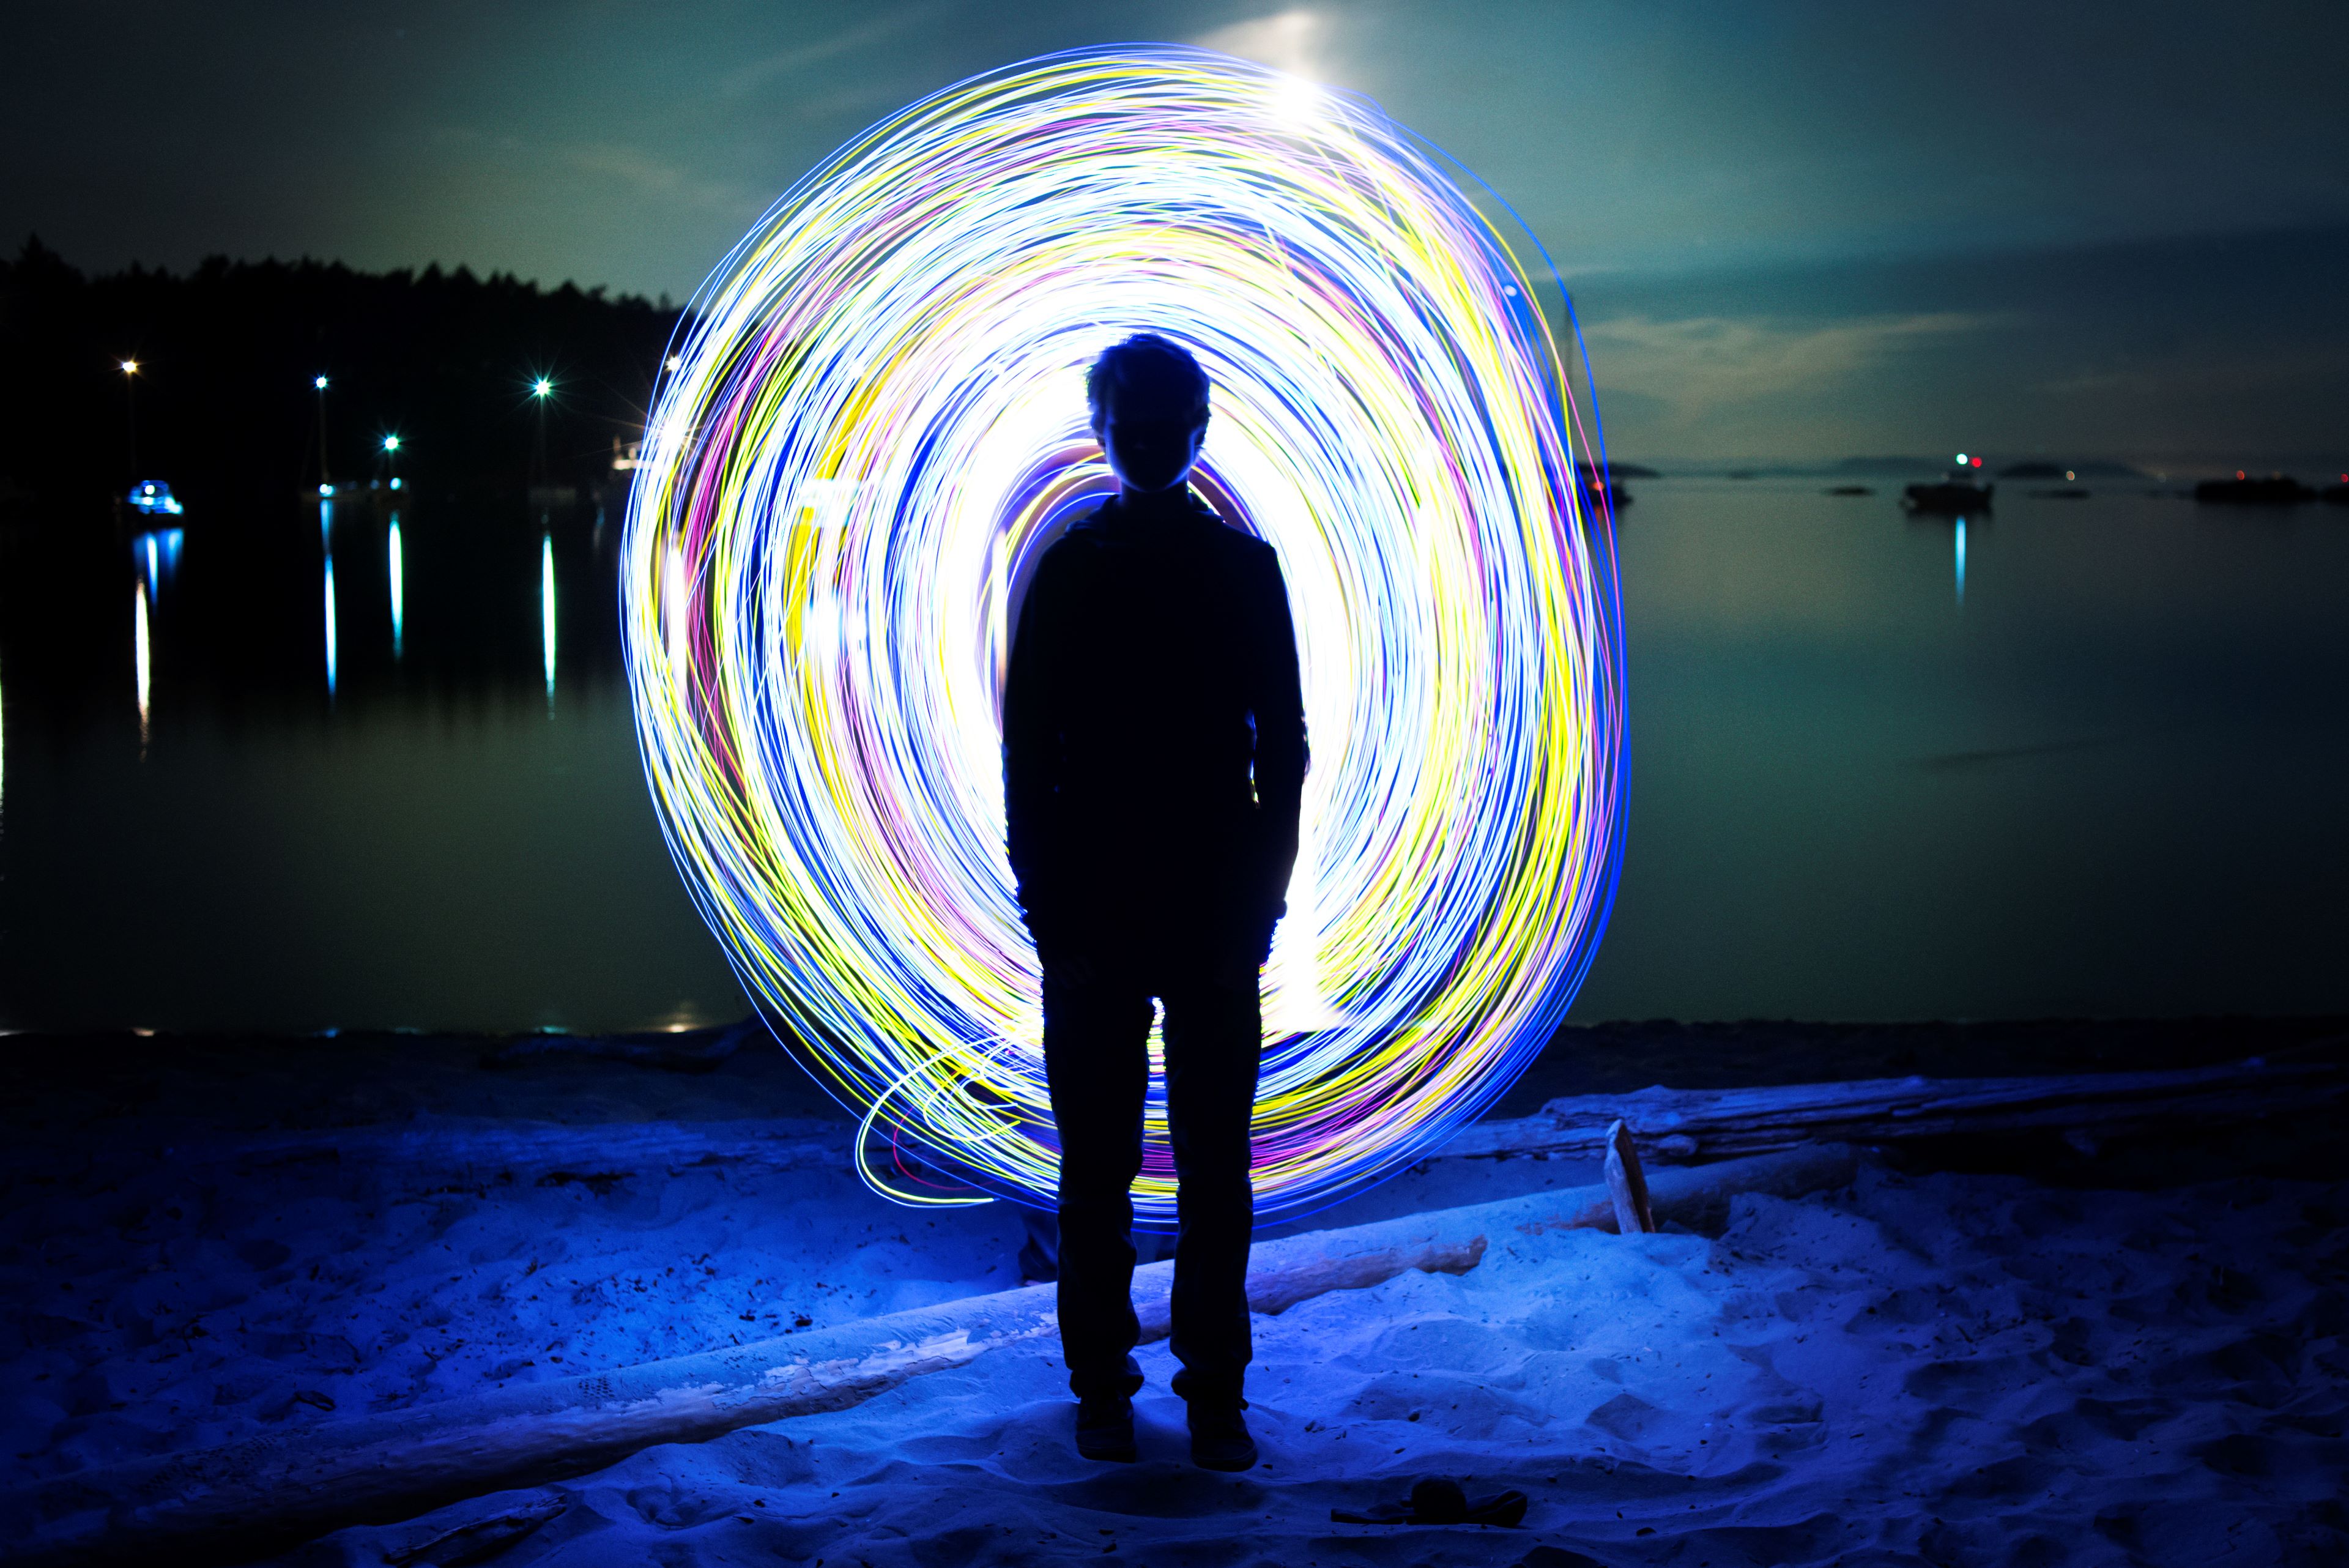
228	354
1896	465
2041	468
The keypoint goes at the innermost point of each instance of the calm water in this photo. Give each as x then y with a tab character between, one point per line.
2080	758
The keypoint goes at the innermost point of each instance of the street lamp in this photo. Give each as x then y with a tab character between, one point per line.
130	406
539	389
325	481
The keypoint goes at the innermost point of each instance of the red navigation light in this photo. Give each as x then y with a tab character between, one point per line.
1977	463
2238	474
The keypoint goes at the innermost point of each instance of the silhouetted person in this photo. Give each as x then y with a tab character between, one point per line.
1153	754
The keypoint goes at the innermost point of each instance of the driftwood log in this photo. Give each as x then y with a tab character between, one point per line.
2086	1108
1627	1183
227	1503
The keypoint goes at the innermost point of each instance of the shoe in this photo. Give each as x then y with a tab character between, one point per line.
1105	1429
1220	1437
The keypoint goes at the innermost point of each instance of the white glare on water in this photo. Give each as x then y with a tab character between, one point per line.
142	650
398	595
546	611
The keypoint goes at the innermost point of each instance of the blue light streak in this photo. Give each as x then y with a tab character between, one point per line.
330	628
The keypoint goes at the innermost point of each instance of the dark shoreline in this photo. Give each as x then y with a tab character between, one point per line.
57	1083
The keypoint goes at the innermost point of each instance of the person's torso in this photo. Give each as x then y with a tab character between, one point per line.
1154	687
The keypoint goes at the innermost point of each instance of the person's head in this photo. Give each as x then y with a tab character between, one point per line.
1149	400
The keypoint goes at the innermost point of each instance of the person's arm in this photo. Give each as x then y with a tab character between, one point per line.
1031	741
1276	702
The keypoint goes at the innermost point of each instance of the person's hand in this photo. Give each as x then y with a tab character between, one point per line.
1266	924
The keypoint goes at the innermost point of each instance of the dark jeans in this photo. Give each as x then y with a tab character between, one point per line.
1096	1033
1040	1248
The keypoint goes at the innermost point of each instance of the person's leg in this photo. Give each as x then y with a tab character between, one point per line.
1214	1041
1097	1064
1039	1254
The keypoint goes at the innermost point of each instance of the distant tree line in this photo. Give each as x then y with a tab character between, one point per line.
226	409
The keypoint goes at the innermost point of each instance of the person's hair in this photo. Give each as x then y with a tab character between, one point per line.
1152	366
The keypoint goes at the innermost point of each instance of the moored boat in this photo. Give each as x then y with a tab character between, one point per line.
1600	489
154	498
1957	494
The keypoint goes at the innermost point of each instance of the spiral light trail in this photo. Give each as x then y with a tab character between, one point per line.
875	423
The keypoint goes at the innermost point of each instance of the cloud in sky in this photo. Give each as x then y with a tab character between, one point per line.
640	174
795	62
1701	367
1295	41
2234	347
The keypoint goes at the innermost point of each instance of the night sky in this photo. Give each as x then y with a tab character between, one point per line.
1794	231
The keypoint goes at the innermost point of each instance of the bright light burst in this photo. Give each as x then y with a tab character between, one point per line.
877	422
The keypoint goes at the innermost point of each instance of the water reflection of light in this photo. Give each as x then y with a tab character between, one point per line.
142	652
1962	562
330	628
546	611
399	595
325	520
157	555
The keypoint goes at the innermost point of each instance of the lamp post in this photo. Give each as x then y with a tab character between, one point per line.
539	391
131	405
326	480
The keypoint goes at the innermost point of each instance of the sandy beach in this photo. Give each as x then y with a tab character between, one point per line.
1934	1364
